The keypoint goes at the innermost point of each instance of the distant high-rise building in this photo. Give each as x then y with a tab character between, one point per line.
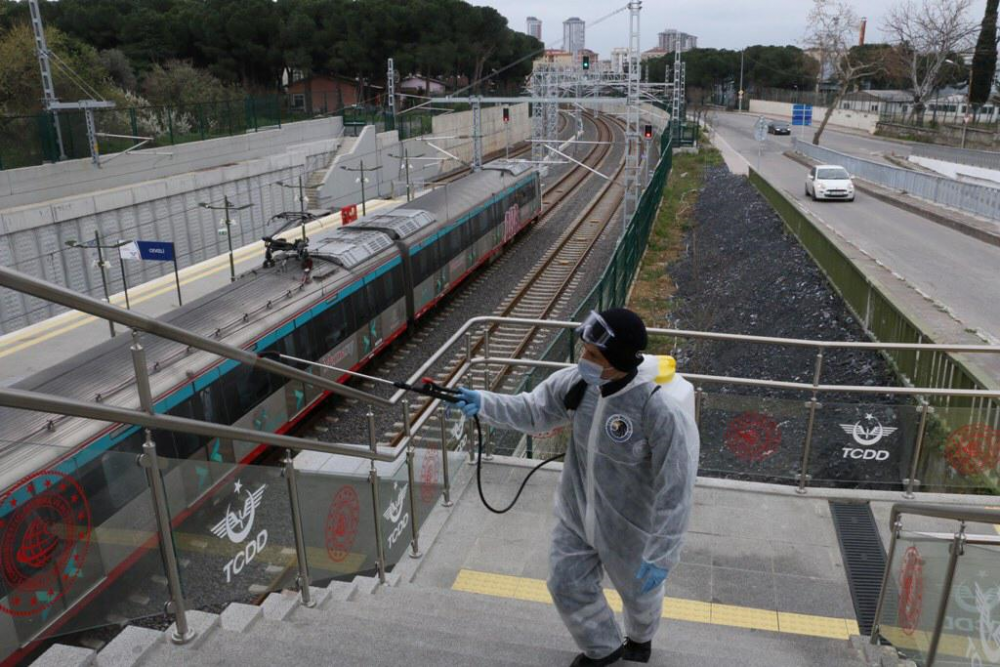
574	35
619	56
669	38
534	28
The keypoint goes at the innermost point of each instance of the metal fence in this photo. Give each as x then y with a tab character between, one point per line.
26	141
968	197
973	158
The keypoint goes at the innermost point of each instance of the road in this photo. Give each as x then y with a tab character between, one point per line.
958	272
853	142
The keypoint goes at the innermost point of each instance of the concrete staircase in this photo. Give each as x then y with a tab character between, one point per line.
361	623
316	178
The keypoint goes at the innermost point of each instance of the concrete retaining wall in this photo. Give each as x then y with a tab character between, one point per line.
35	185
857	120
459	126
33	237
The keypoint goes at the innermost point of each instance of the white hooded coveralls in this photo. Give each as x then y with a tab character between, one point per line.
625	495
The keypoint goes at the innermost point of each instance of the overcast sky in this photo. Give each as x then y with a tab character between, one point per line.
730	24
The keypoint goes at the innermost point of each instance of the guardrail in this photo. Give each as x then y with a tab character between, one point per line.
900	621
975	199
967	156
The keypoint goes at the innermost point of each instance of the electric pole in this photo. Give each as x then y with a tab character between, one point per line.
362	179
227	228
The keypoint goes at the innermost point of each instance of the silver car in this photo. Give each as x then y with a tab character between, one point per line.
829	181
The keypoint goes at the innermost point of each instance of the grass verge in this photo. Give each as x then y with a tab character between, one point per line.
653	285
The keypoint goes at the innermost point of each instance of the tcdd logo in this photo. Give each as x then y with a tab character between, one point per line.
44	537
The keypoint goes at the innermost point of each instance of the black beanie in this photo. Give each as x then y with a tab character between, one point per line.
624	349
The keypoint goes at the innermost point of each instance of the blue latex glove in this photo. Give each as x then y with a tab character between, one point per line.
470	403
653	576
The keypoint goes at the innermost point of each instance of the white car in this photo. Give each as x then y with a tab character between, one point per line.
829	181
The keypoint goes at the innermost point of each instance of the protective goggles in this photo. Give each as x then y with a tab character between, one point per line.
595	331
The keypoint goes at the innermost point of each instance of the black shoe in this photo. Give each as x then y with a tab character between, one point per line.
583	661
637	651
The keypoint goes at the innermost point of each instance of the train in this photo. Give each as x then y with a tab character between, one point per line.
355	290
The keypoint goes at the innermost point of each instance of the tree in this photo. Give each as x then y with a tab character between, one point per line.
119	69
833	27
927	36
20	81
984	61
179	83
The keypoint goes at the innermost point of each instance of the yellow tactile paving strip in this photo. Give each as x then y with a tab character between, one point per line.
693	611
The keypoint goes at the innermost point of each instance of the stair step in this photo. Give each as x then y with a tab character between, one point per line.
283	643
498	644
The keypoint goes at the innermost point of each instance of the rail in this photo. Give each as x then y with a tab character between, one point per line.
905	629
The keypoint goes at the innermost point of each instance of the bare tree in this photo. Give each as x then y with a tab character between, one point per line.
926	35
832	34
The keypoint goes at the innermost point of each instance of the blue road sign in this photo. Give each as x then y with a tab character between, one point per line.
160	251
802	114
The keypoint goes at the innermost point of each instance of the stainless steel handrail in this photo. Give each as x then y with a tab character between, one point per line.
137	322
964	515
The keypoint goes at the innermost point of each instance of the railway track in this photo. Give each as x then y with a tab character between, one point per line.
546	290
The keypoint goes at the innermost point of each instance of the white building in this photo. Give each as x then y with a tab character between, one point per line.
534	28
670	38
574	35
619	56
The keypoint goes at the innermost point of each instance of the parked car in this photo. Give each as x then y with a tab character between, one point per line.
829	181
778	127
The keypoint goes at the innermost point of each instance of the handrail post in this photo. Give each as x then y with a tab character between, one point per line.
410	452
376	501
161	510
446	489
912	481
467	425
812	405
957	550
699	397
300	543
488	451
897	528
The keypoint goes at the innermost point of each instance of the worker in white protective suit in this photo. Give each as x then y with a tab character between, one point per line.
625	493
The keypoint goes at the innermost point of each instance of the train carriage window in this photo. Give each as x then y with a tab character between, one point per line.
359	305
332	326
426	263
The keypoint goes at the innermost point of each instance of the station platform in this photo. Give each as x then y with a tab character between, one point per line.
36	347
761	583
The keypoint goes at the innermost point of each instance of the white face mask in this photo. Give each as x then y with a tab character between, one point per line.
591	372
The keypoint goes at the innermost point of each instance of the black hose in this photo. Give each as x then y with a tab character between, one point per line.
479	474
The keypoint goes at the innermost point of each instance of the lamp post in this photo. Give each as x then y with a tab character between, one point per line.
301	198
361	179
103	266
227	222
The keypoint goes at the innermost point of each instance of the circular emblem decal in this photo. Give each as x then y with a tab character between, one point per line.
911	590
973	449
753	437
618	428
342	523
429	476
44	537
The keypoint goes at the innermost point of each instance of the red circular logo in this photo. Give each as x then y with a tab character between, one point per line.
911	590
44	537
342	523
973	449
753	437
429	476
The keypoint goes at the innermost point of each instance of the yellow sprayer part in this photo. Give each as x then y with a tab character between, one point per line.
667	368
